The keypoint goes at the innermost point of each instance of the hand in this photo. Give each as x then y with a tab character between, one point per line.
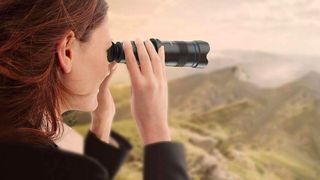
102	117
149	91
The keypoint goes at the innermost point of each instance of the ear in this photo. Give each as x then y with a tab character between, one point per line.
65	50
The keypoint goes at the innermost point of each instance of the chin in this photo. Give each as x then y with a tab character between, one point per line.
87	103
89	106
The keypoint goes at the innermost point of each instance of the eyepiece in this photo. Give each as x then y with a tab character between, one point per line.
177	53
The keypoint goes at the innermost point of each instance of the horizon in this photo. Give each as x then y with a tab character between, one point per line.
285	28
272	71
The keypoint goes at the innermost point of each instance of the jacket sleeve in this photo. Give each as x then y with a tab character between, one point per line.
164	160
109	156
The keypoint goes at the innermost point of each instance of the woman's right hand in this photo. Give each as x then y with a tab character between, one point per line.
149	91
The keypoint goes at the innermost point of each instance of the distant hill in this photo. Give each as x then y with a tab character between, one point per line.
262	67
233	129
285	119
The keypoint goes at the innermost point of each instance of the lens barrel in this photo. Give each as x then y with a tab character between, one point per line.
177	53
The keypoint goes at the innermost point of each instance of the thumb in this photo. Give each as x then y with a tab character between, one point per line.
113	66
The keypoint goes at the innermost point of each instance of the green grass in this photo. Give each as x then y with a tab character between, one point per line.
284	165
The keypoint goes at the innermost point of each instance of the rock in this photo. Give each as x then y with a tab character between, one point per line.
209	167
209	144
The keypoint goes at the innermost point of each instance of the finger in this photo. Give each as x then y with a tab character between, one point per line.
155	59
131	62
113	66
161	54
144	59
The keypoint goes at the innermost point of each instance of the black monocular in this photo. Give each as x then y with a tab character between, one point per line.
177	53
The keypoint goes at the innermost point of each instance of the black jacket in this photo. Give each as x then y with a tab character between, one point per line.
101	161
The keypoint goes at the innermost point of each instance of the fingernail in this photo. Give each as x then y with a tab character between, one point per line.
128	44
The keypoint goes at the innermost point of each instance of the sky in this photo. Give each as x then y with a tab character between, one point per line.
287	27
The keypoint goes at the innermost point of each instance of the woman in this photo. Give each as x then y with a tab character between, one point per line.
52	60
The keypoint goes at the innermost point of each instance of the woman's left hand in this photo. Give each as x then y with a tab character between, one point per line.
102	117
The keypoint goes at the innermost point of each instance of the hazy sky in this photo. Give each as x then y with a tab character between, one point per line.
276	26
285	26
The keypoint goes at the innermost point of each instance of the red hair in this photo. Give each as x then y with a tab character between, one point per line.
31	91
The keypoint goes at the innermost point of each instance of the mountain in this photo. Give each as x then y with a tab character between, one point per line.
201	92
233	129
243	118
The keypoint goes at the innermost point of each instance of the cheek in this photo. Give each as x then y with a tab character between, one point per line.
91	73
94	67
101	68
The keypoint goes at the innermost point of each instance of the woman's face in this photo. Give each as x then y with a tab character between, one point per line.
84	66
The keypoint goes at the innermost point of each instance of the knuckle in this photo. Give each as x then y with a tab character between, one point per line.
141	44
151	85
138	84
136	81
157	59
130	59
145	56
127	45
